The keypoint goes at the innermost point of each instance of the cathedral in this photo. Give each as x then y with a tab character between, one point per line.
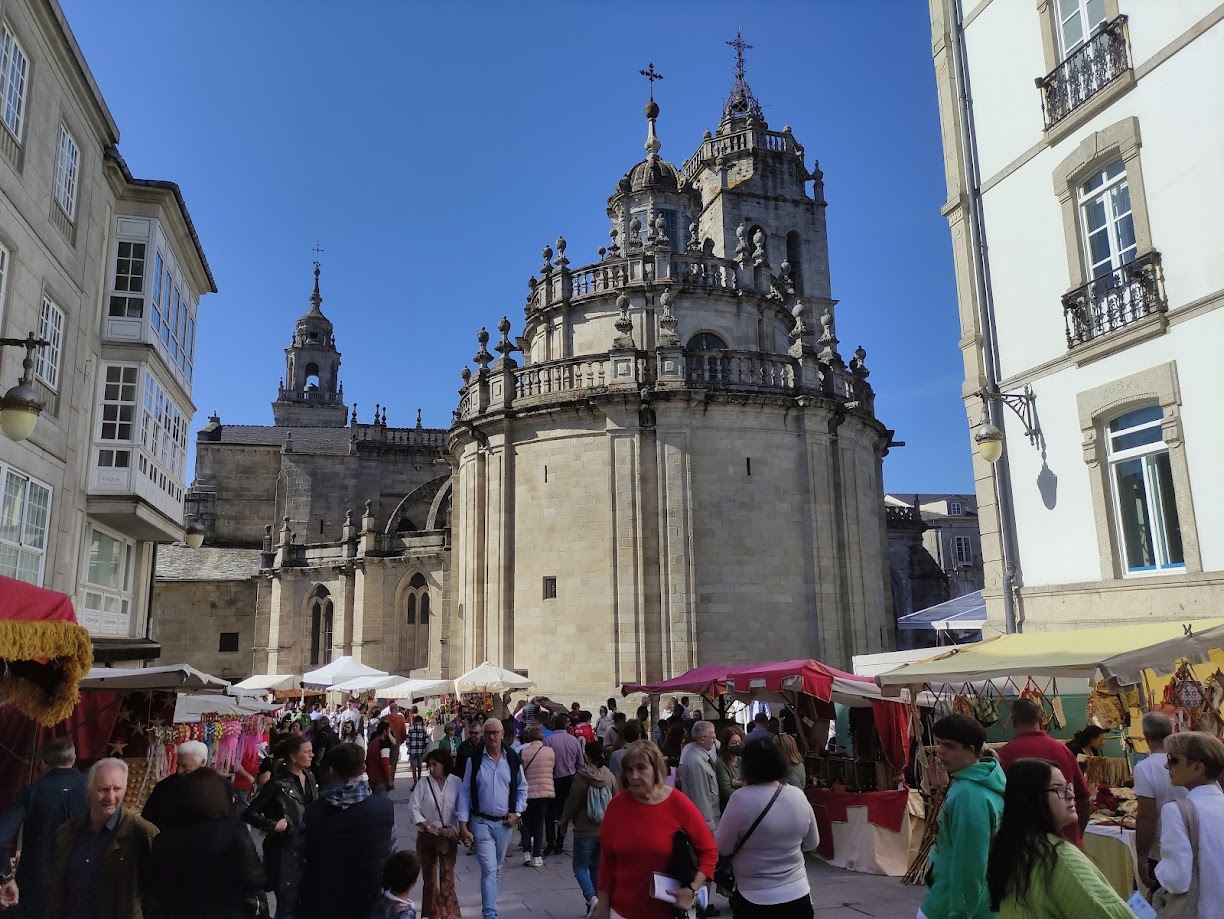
668	463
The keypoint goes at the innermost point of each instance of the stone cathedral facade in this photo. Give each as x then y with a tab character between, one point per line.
669	464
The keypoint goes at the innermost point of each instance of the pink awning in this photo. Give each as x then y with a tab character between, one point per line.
710	680
807	676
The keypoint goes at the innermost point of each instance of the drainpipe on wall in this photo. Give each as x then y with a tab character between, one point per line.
1000	471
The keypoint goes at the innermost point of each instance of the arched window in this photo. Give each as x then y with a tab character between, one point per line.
312	376
321	618
414	640
1144	501
794	255
706	341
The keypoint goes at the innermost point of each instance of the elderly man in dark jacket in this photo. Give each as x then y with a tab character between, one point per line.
349	833
100	860
42	807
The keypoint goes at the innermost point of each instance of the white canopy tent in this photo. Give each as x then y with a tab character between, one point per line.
417	689
339	671
491	678
262	683
179	677
367	683
188	707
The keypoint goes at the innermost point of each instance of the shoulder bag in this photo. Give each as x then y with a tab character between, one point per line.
724	870
1183	905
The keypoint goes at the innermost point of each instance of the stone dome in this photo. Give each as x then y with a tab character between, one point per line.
653	173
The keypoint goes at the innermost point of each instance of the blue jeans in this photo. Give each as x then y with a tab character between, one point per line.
586	863
492	839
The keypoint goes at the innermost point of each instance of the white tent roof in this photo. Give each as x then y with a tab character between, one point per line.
490	678
188	707
363	683
181	677
338	671
416	689
261	683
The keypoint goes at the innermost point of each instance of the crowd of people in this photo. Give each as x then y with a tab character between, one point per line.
316	795
1010	839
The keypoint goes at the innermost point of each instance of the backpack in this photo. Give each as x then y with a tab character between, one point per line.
597	803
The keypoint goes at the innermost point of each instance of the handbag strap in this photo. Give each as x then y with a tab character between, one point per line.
437	803
1189	815
761	816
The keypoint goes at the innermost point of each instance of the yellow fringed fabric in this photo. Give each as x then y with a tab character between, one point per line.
42	667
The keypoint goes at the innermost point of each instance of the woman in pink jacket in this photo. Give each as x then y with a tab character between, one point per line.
538	769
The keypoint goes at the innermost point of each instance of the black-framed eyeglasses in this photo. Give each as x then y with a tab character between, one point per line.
1066	792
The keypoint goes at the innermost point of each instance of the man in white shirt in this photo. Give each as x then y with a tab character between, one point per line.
1195	762
1153	791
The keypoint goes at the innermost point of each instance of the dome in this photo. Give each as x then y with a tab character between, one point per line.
654	173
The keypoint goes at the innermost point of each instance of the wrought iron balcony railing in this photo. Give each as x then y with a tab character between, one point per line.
1114	301
1085	72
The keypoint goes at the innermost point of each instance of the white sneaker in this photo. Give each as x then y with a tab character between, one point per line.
591	904
537	862
527	860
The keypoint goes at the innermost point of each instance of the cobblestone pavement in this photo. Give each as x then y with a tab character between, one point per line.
552	893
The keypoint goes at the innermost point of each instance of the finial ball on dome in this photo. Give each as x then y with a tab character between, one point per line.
652	109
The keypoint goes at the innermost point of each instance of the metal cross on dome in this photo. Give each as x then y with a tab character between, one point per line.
740	47
317	250
651	74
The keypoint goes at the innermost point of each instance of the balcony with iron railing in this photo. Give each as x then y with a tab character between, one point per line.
1085	72
1114	301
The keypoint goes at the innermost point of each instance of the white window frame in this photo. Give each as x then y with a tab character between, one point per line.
130	299
106	609
5	261
955	509
1087	28
1158	505
47	359
1106	193
67	172
14	65
962	550
26	545
115	451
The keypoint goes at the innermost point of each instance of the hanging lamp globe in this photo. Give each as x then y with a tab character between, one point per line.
19	411
990	442
195	535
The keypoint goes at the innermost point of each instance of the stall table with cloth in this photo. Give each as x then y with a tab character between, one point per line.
1112	850
873	832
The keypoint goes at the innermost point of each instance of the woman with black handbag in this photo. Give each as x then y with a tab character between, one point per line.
765	829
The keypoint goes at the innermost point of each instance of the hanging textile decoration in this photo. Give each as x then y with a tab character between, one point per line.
1105	710
1186	695
1212	722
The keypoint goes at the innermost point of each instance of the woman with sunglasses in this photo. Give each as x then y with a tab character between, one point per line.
1032	870
1195	761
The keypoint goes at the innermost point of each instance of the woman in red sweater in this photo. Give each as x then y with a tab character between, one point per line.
636	839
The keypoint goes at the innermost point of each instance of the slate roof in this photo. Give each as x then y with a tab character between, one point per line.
178	563
305	440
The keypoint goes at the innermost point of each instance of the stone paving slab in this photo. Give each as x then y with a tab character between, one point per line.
552	893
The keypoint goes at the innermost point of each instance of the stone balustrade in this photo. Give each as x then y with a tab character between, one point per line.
646	266
733	371
740	141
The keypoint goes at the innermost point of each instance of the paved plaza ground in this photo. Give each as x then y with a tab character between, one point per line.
552	893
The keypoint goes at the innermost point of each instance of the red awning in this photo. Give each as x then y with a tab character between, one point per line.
807	676
43	652
710	680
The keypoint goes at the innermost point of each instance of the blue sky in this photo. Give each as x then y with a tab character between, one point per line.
435	149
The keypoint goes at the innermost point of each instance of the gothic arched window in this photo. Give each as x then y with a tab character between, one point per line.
321	618
414	641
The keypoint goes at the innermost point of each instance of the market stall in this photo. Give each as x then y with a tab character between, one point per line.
263	684
1117	665
868	819
340	670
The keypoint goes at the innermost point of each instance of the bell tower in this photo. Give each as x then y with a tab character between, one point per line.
310	394
755	206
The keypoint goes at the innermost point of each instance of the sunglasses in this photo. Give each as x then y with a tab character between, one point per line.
1177	761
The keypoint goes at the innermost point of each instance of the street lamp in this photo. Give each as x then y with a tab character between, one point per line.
989	437
20	406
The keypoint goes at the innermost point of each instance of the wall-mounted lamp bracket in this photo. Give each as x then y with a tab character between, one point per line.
1023	404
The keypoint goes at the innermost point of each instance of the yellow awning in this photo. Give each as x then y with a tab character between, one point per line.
1066	654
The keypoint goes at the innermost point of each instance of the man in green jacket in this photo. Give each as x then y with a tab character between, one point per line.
967	822
99	860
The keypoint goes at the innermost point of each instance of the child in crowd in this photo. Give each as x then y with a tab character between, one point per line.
400	873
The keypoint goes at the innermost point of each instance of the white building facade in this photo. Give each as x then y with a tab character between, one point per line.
1085	225
109	270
